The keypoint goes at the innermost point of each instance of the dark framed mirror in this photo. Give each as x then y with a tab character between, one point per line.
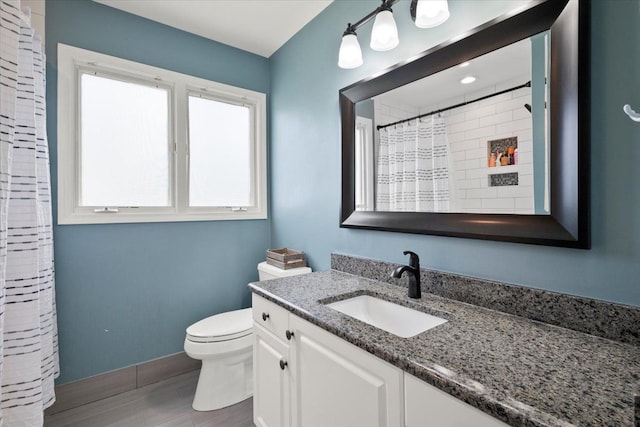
557	212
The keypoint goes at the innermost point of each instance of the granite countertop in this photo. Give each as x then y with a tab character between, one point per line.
521	371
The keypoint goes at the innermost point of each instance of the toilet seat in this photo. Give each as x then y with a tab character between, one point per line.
222	327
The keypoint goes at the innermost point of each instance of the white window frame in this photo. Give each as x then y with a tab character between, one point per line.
71	61
364	164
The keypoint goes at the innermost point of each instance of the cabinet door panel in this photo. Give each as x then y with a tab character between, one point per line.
271	406
426	406
339	385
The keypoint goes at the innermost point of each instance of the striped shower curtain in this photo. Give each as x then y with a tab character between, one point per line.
28	331
413	167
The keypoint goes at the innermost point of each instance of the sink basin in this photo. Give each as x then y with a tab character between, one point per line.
399	320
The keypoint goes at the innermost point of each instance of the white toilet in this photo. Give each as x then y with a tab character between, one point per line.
224	343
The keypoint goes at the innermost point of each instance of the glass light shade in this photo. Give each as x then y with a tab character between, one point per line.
431	13
384	35
350	55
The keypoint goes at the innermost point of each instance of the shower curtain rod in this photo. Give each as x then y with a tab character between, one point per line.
527	84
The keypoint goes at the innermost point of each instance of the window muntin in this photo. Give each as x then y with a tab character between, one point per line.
124	143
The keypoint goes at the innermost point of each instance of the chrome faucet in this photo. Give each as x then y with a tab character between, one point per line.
414	277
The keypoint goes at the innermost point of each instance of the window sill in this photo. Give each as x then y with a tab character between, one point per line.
129	218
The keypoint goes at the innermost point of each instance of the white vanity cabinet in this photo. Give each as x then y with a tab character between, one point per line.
308	377
427	406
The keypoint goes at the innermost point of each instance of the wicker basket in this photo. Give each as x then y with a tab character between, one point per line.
286	258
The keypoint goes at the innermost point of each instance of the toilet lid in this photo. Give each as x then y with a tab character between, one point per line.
222	327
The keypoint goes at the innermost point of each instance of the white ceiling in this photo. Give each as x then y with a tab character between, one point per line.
497	70
257	26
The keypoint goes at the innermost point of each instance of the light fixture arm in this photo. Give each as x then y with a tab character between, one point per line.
350	30
386	5
413	8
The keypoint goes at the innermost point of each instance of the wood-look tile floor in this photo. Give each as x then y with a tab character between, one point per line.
163	404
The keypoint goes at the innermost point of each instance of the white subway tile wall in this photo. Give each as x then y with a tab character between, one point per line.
469	128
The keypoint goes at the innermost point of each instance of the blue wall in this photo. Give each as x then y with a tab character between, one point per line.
126	293
305	156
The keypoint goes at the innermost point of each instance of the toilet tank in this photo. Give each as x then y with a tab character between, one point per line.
268	272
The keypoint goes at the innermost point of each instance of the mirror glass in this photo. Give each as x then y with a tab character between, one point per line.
473	138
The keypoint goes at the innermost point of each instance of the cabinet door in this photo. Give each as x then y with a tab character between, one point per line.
271	400
427	406
339	385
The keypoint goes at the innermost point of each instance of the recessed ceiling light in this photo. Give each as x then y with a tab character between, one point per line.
467	80
464	64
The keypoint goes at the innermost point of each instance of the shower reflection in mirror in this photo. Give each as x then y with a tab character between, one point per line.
472	138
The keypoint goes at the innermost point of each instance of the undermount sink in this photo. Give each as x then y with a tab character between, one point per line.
394	318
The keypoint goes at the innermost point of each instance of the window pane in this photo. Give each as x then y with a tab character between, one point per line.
125	157
219	153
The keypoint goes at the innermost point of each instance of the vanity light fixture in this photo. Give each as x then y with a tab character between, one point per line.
431	13
467	80
350	55
384	34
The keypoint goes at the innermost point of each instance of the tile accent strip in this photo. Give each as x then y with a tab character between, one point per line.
503	179
502	144
617	322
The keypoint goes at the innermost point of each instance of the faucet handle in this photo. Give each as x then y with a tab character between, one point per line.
414	260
